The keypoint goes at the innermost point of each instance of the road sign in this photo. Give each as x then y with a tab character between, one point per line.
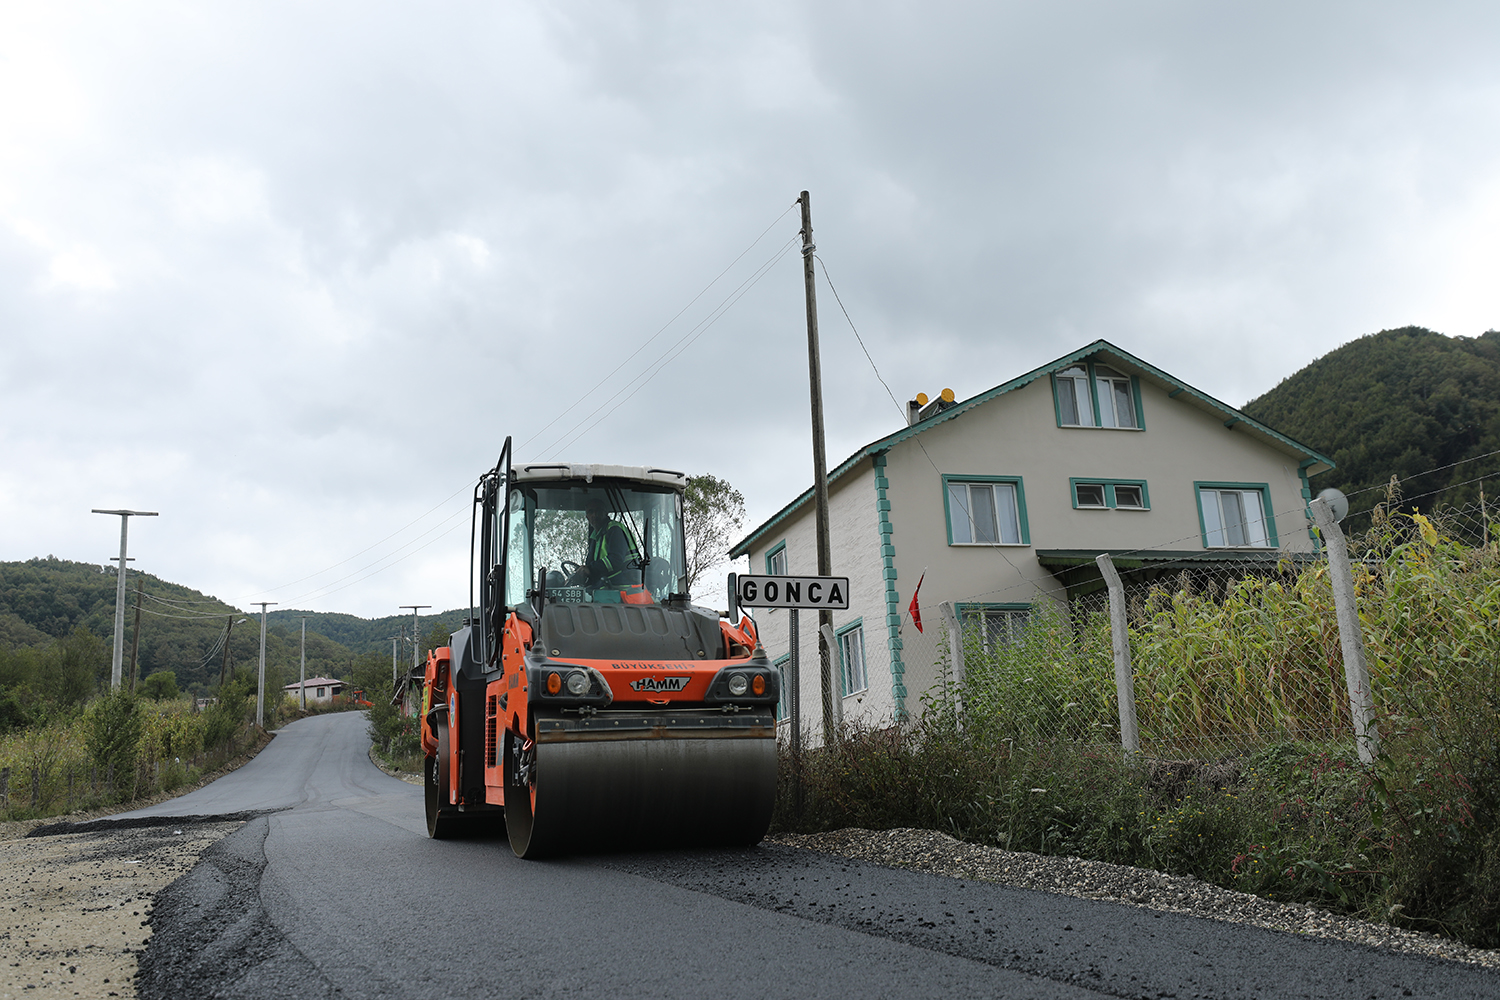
831	592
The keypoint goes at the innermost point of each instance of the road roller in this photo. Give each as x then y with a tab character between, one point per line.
588	705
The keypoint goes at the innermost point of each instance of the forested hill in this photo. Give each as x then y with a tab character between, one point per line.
1399	402
182	630
367	635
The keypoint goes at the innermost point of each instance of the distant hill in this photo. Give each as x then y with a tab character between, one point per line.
1399	402
368	635
43	600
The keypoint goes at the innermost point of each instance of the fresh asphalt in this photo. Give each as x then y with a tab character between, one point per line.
334	890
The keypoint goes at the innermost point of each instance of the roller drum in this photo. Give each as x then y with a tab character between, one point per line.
629	794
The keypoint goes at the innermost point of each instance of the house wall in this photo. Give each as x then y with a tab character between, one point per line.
854	537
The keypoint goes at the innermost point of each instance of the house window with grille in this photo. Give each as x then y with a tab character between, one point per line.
994	626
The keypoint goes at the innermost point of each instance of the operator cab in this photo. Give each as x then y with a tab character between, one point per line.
634	555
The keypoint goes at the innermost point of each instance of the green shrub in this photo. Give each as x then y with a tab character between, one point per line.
113	736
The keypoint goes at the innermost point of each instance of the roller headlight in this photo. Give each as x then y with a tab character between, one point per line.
738	684
578	683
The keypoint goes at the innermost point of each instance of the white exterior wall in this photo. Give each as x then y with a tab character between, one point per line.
854	537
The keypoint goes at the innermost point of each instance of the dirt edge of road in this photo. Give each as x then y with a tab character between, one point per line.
77	896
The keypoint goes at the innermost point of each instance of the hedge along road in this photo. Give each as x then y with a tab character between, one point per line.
338	892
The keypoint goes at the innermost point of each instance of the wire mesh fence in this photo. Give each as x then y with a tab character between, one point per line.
1233	653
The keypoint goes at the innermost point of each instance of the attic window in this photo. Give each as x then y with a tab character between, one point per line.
1089	395
1074	399
1116	402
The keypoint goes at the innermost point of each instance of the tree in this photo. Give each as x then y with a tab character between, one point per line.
160	686
713	512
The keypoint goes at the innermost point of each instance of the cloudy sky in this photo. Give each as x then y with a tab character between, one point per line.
289	273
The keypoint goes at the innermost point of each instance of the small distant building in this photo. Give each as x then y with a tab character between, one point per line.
320	690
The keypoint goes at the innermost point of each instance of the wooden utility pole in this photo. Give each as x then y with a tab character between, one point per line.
820	463
224	664
135	636
302	680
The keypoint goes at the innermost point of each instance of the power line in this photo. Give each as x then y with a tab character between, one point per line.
659	332
355	577
682	344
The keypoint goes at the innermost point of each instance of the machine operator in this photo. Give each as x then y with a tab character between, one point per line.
612	559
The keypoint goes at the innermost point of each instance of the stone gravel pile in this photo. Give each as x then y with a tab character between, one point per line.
940	854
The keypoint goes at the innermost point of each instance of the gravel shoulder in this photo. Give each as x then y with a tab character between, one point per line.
75	897
939	854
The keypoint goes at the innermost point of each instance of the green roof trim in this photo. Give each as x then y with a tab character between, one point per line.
1176	387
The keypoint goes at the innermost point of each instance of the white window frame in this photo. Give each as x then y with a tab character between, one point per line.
998	625
783	708
1111	385
1218	502
854	677
1074	392
1111	489
964	510
776	561
1090	395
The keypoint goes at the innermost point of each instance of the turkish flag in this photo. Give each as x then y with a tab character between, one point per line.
916	612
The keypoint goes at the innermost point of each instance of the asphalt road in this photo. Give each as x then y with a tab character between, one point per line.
339	893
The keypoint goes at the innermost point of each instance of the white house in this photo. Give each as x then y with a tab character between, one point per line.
320	690
1005	498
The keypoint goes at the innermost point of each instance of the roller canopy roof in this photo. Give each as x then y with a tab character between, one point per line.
535	471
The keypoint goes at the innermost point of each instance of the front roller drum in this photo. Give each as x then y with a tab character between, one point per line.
629	794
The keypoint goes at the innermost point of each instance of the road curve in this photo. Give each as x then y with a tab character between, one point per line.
339	893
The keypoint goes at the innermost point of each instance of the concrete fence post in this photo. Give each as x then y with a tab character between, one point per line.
1130	735
1351	636
956	654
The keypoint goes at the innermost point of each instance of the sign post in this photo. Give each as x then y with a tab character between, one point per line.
819	593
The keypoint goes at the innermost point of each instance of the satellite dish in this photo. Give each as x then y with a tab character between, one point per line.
1338	504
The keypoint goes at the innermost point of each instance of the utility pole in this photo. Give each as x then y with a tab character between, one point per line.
224	666
260	687
302	686
416	637
395	670
117	664
820	463
136	635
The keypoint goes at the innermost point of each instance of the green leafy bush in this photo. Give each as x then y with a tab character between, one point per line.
114	728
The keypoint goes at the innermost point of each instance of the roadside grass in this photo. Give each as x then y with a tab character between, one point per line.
120	749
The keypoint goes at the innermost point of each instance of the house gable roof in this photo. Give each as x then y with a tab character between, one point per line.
1177	389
